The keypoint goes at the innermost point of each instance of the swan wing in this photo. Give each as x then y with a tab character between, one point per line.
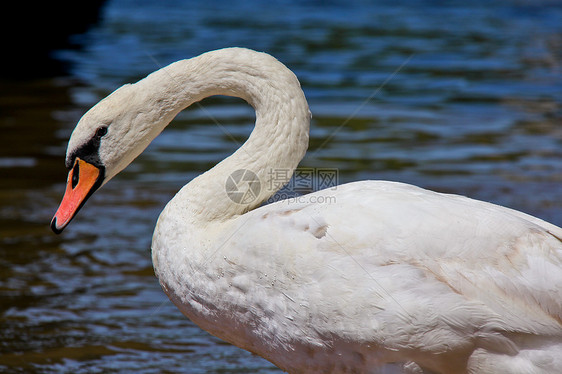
398	264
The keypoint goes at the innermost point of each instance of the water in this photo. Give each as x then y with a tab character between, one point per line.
461	98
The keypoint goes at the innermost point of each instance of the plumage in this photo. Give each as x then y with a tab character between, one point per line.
347	279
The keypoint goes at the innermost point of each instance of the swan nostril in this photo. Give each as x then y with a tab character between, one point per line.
75	175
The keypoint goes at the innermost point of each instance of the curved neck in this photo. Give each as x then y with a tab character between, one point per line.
278	142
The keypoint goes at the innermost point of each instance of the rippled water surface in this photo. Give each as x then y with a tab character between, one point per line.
463	98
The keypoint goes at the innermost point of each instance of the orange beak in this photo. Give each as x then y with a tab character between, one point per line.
83	180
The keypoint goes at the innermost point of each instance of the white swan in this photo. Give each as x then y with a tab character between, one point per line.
383	273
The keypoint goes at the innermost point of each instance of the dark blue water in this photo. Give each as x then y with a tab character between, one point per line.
462	97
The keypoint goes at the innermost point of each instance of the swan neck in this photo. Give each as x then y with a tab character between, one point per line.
278	142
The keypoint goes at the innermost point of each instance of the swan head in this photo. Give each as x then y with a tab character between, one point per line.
106	139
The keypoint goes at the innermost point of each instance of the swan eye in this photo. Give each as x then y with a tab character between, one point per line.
101	132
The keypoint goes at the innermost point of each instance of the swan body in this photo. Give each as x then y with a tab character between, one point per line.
344	280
